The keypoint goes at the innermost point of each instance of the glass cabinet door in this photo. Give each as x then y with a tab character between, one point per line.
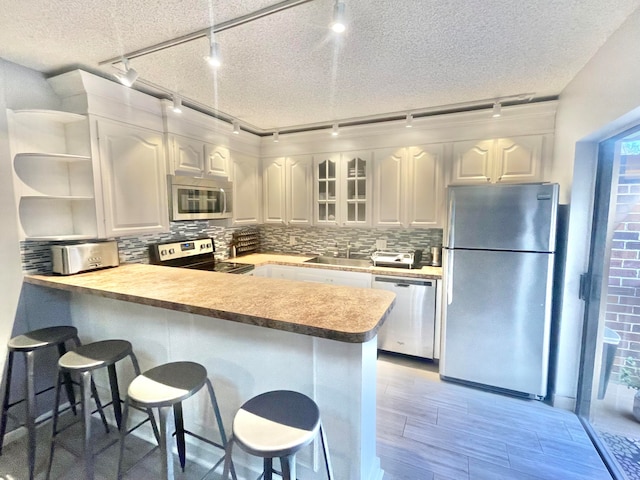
356	192
327	185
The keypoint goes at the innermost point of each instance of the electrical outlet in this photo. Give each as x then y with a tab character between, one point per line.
381	244
292	240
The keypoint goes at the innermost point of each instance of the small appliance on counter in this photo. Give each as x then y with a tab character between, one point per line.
405	259
197	254
82	257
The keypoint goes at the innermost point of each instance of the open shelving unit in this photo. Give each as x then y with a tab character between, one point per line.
53	174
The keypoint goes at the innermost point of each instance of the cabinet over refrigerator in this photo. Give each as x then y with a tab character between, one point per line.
498	253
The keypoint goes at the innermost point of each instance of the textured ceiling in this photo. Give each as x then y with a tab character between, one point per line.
289	69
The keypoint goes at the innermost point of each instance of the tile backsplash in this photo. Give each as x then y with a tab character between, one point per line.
36	256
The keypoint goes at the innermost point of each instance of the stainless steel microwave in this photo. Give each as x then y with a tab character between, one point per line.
199	198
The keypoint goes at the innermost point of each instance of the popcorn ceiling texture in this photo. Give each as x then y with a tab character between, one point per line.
36	256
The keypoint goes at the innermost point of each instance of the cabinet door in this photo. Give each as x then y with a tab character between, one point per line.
247	189
518	159
274	181
389	187
355	203
216	161
472	162
326	189
299	190
133	179
425	186
187	155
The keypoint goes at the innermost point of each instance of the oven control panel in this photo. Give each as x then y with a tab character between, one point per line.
189	248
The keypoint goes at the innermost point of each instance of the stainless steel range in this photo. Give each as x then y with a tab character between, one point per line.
196	254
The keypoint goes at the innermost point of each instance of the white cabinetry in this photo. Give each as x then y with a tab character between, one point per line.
503	160
247	189
196	158
408	187
54	175
343	189
133	177
288	190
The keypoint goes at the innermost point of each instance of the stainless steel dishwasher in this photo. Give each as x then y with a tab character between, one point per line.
410	327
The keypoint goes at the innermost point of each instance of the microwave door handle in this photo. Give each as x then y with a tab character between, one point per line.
224	201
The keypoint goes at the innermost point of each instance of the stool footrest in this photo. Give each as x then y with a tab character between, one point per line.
202	439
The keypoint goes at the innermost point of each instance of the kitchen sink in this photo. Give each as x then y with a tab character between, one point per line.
345	262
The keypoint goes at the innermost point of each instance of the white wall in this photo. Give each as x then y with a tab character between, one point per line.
19	88
603	99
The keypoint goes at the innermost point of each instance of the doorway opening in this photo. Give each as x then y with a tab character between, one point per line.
610	364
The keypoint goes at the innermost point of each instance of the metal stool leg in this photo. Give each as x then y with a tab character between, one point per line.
123	434
288	465
165	443
268	469
223	436
54	428
86	420
68	383
96	398
179	422
5	398
228	463
30	395
115	394
325	449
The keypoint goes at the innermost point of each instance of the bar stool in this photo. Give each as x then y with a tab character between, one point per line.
83	361
277	424
164	387
28	344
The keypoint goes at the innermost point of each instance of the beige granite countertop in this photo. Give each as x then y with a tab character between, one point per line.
345	314
259	259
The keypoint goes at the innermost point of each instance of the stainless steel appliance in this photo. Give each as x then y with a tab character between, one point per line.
199	198
498	264
410	327
405	259
70	259
196	254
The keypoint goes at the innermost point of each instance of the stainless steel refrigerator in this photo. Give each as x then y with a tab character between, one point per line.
498	261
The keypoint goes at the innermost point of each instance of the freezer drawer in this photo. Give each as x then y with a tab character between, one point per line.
410	327
497	319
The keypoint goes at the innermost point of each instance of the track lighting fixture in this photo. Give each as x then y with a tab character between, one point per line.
129	76
214	58
335	131
177	104
409	123
497	108
276	136
338	25
236	127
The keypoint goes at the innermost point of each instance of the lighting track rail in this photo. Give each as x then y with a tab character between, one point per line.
242	20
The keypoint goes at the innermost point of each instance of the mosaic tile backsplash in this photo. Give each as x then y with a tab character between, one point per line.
36	256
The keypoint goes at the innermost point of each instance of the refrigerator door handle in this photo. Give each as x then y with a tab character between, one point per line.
450	226
449	277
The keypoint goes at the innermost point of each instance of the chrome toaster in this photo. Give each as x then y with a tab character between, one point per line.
70	259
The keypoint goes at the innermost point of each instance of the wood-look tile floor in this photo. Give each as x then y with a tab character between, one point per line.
434	430
427	430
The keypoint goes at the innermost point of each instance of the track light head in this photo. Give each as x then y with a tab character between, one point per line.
276	136
335	131
214	58
236	127
409	121
129	77
177	104
497	109
338	25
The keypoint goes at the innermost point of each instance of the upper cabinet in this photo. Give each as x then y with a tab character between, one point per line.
196	158
247	183
53	175
343	189
408	187
503	160
287	190
133	177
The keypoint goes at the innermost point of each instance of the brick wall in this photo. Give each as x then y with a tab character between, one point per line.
623	294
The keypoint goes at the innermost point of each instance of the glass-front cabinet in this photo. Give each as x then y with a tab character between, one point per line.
343	189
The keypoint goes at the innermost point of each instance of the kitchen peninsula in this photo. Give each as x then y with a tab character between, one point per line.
253	335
